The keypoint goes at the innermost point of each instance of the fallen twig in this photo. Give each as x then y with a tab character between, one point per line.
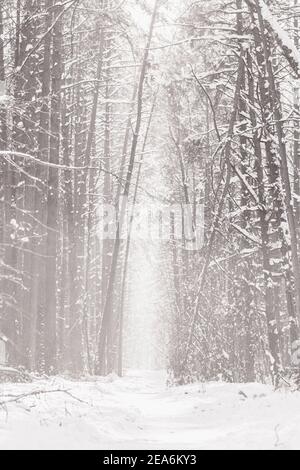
16	398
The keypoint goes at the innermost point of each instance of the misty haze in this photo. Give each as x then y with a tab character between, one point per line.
149	225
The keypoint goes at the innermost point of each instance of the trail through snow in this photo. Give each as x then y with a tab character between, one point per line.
140	412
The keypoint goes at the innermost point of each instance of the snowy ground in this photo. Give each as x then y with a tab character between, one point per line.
140	412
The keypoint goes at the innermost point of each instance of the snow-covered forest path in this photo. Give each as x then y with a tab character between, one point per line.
140	412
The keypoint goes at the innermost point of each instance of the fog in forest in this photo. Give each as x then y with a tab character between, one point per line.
149	223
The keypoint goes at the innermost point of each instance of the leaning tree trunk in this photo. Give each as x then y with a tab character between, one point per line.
108	309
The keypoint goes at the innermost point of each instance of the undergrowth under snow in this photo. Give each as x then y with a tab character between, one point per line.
140	412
